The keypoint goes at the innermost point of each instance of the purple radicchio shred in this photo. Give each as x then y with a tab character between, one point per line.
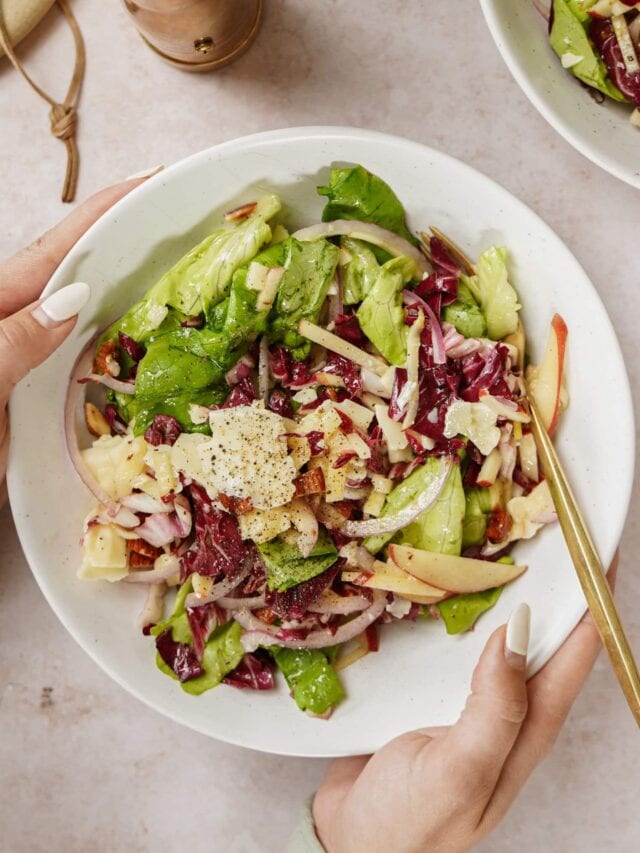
203	620
111	414
218	548
133	349
337	365
348	328
253	672
442	260
243	394
293	603
164	429
280	403
179	657
604	38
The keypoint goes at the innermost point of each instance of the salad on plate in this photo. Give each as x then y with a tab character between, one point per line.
598	41
309	436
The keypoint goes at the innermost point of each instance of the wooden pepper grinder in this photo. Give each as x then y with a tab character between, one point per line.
197	35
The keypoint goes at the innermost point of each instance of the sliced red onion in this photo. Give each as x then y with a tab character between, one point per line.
391	523
74	395
508	453
339	605
141	502
110	382
159	529
393	243
259	633
253	602
437	340
170	567
263	370
152	611
219	590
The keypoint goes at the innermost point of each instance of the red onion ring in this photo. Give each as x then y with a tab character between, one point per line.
437	340
339	605
391	523
259	633
393	243
110	382
220	589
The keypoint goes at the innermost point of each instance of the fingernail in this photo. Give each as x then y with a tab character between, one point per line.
518	628
147	173
62	305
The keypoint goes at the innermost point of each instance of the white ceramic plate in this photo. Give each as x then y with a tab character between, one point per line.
421	675
602	132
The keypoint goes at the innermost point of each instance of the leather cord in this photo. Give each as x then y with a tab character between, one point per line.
63	116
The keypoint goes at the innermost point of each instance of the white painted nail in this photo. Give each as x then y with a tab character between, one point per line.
62	305
147	173
518	628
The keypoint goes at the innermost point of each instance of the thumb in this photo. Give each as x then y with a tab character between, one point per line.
497	706
29	336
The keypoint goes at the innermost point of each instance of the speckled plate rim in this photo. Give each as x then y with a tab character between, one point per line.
316	744
553	116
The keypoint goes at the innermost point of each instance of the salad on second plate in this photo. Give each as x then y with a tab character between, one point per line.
598	41
312	435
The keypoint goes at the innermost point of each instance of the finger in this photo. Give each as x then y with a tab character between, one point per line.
29	336
484	735
551	693
23	277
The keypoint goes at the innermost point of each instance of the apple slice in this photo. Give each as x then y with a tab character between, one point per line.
545	381
389	577
455	574
517	340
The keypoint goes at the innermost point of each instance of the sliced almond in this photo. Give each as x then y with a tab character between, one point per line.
96	422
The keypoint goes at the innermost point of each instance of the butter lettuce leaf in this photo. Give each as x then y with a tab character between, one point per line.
201	278
465	314
313	682
222	653
461	612
286	567
569	36
309	268
439	528
357	194
491	289
381	315
360	272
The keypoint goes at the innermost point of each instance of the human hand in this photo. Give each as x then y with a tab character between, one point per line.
444	789
31	328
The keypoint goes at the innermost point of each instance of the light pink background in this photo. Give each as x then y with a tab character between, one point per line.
84	767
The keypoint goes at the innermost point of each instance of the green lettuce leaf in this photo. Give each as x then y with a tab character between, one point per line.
491	289
461	612
476	516
569	35
313	682
201	278
357	194
286	567
465	314
440	527
360	272
381	315
309	270
222	653
437	529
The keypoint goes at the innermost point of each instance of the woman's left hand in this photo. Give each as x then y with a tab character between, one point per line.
32	328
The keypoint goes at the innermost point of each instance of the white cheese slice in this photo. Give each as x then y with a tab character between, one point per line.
476	421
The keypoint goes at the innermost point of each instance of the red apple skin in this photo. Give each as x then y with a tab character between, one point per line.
549	374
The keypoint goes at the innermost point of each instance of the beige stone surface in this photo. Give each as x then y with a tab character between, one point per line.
85	767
